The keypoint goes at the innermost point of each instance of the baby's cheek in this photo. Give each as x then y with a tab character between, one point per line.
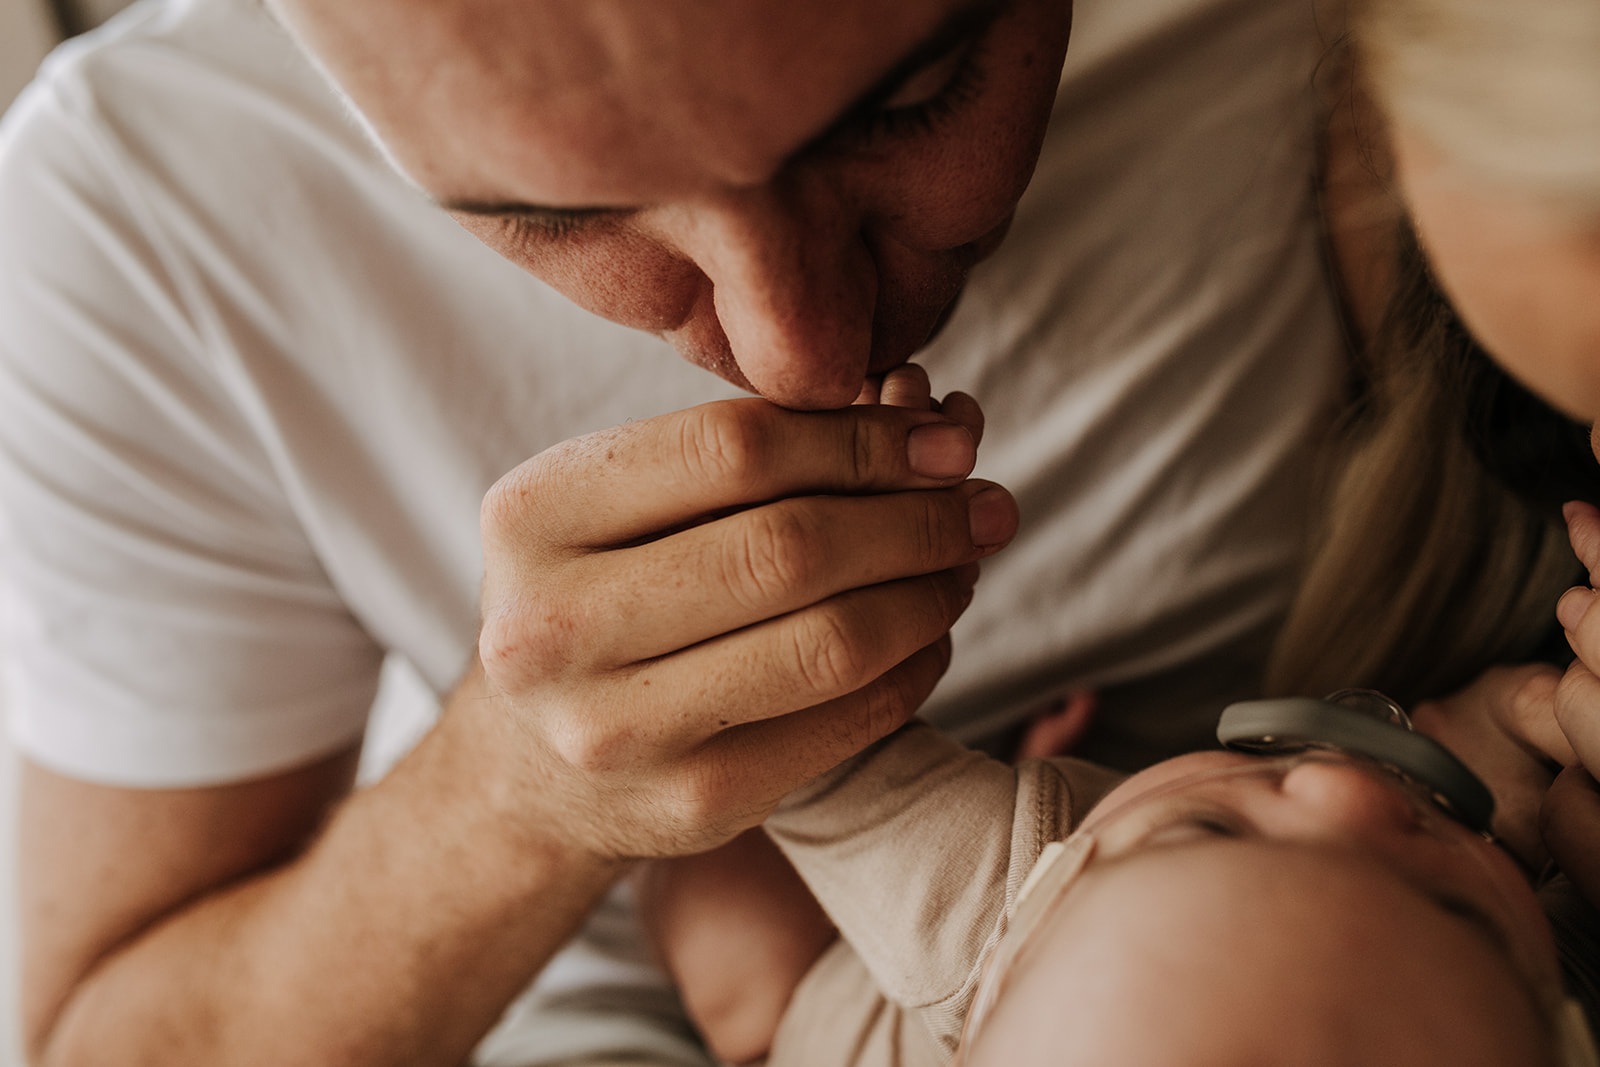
1160	775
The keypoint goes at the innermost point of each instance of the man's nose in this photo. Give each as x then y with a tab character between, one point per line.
794	288
1344	801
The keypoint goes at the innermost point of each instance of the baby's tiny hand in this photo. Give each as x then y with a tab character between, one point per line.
1577	699
1503	727
907	386
1570	817
1583	530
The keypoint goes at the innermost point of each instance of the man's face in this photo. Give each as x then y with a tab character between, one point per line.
790	191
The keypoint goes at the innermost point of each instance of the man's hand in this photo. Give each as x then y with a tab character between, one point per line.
688	617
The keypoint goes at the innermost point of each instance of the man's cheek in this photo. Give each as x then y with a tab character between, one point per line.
623	277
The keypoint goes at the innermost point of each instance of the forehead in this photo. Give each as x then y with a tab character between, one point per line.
604	101
1216	933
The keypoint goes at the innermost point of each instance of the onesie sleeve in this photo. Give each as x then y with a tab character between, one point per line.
166	621
917	848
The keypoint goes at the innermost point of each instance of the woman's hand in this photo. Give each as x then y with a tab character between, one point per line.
687	617
1503	727
1571	817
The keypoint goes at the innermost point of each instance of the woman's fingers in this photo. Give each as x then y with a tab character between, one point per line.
1570	825
1583	531
1503	727
1577	713
1526	710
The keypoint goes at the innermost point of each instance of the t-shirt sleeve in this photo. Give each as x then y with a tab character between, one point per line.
166	621
917	849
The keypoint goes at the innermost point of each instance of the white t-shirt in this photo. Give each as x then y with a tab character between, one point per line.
253	388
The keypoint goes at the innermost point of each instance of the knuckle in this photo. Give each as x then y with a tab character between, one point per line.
775	555
584	742
521	643
700	802
887	705
1532	695
828	650
865	449
938	603
934	540
953	599
504	505
523	508
1569	710
727	444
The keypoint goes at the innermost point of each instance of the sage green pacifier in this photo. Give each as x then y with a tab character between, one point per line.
1364	723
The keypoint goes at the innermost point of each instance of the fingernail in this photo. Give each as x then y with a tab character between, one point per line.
993	516
941	450
1573	606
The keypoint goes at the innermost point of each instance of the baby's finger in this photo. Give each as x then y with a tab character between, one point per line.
965	410
1528	710
1577	712
1575	611
1583	531
907	386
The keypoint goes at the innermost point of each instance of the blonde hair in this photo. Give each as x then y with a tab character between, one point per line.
1508	89
1429	569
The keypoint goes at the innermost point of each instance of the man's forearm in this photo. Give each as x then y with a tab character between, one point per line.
398	937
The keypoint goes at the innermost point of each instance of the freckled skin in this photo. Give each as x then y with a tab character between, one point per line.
790	267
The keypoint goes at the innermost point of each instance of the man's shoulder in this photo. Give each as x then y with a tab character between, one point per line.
136	91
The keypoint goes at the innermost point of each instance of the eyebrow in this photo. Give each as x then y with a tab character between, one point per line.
964	24
1475	918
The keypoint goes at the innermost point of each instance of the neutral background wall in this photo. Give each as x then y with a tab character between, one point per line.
28	29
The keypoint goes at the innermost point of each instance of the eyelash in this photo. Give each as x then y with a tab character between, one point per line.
543	228
964	86
1181	828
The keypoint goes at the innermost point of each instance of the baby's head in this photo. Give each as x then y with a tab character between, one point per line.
1226	909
